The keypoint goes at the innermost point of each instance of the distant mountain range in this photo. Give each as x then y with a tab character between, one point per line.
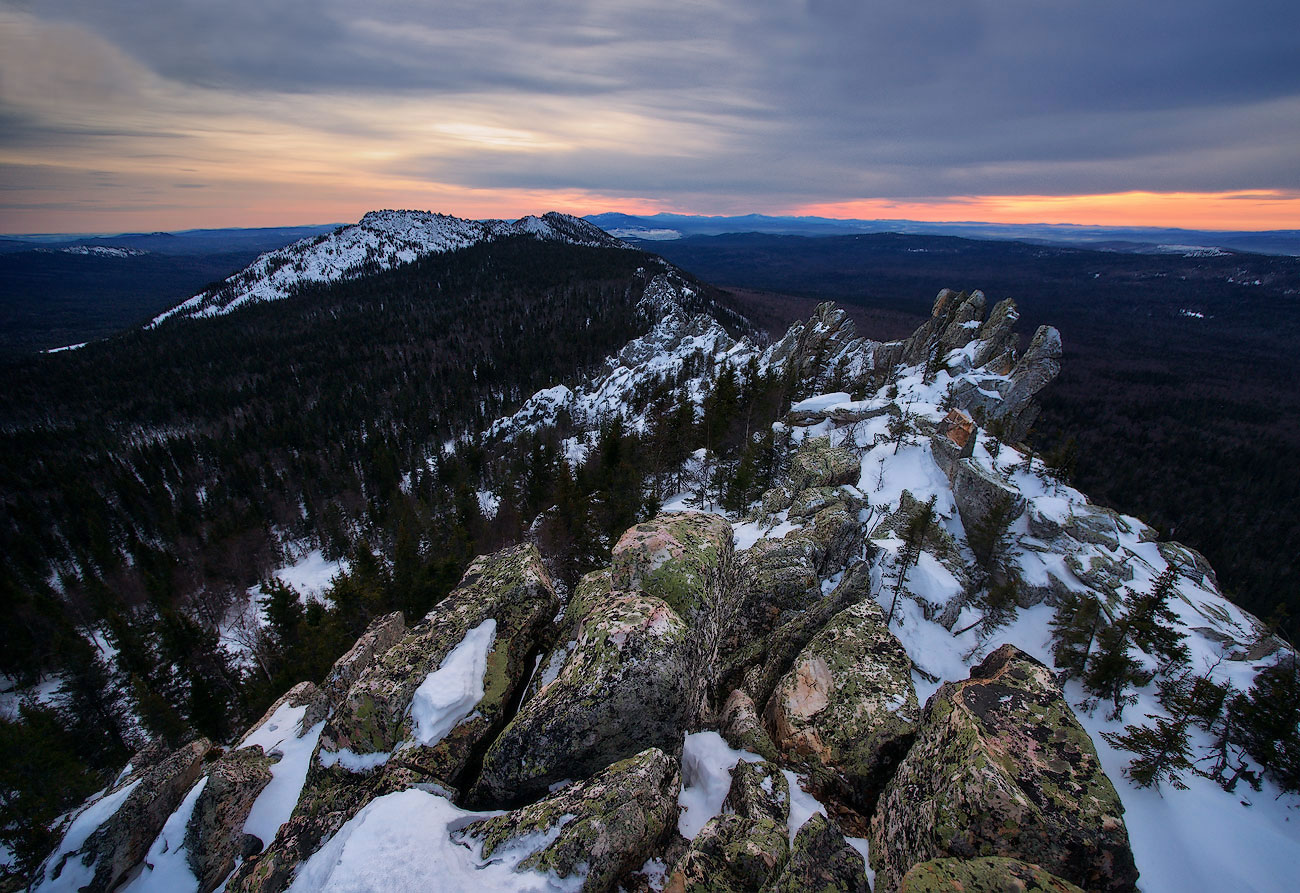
185	242
664	227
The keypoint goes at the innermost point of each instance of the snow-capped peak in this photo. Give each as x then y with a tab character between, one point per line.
380	241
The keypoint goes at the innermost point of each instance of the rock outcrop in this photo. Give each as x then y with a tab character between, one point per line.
620	690
822	860
991	874
1001	767
377	724
608	825
848	705
215	838
99	849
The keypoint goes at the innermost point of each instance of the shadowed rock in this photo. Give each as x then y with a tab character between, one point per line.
124	837
992	874
821	860
620	689
609	824
1001	767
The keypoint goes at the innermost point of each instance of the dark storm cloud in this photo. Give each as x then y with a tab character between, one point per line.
824	98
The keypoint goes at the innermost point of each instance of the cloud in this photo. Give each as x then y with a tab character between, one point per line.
729	105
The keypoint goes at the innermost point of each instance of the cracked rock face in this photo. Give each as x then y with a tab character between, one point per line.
620	689
510	587
610	824
214	837
821	860
848	702
1001	767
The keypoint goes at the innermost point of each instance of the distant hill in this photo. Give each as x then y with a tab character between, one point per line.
663	227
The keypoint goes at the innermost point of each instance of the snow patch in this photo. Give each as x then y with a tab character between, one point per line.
451	692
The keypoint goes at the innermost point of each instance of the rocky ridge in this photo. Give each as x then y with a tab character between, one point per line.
381	240
809	764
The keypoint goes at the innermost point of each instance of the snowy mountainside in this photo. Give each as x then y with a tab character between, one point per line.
897	517
381	240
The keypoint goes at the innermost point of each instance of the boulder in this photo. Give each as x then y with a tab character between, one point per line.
621	688
848	703
818	464
998	337
669	555
758	789
978	492
778	578
1001	767
821	860
731	854
783	644
609	824
1040	364
740	726
991	874
214	838
382	633
98	850
502	604
963	327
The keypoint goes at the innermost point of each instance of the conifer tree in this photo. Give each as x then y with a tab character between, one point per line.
1074	629
1267	719
1112	670
1153	624
918	527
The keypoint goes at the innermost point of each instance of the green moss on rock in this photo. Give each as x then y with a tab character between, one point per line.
668	556
990	874
1001	767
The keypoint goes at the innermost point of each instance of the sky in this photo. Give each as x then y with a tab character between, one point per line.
150	115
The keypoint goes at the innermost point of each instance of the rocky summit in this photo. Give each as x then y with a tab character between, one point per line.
888	670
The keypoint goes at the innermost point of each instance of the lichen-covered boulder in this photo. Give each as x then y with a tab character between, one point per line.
991	874
382	633
759	789
621	689
593	589
778	579
783	644
669	556
608	825
829	540
848	702
740	726
731	854
818	464
821	860
214	838
101	844
503	603
1001	767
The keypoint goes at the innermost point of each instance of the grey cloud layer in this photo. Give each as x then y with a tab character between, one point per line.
824	98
